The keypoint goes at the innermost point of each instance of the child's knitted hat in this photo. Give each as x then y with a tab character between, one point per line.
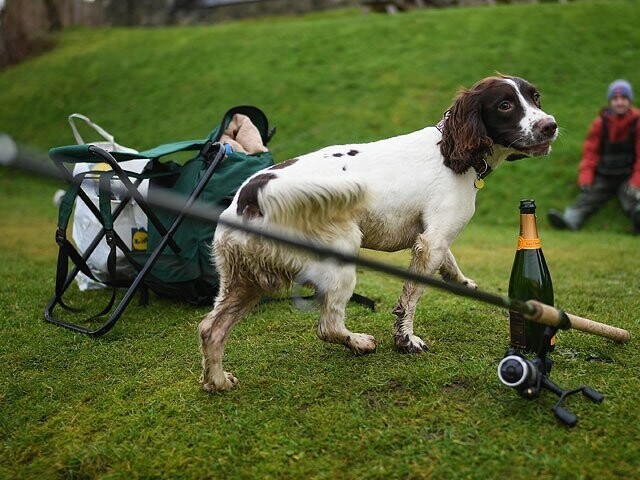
620	87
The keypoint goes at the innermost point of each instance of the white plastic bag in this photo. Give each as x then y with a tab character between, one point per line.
107	142
131	225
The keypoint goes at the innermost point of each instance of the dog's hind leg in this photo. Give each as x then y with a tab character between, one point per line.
232	305
334	287
427	258
451	272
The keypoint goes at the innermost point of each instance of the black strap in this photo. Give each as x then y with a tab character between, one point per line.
355	298
68	251
62	269
604	134
364	301
632	132
143	300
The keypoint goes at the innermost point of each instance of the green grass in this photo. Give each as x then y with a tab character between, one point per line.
128	405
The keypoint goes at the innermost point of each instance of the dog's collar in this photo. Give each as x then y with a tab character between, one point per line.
482	169
445	117
481	166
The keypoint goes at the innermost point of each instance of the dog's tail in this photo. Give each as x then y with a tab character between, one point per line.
301	203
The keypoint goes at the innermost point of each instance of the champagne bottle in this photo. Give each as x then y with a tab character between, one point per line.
530	280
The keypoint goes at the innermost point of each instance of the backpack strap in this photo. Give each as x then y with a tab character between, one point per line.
68	251
604	132
104	200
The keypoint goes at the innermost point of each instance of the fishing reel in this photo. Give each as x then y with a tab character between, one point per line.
529	377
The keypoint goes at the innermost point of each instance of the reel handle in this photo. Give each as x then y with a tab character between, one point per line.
566	417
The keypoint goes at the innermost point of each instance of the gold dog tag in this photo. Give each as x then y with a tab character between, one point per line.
478	183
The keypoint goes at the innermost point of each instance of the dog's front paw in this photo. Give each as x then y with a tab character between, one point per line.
361	343
410	344
220	384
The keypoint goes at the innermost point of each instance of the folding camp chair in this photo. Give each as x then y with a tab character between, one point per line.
215	173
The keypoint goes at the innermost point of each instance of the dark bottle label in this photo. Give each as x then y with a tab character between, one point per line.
517	328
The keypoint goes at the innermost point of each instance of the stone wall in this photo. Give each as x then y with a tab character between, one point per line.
197	12
25	24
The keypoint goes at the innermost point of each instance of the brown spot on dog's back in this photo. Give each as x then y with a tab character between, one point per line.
248	196
337	154
282	165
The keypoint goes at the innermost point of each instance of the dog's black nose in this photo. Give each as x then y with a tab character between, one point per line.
548	128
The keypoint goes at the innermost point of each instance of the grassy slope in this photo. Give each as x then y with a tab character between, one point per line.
334	79
129	405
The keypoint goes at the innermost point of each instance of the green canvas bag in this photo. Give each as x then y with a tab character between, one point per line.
190	274
183	269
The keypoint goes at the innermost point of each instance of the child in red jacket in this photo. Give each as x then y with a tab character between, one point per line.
610	162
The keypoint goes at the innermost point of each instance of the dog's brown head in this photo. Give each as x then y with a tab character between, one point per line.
497	110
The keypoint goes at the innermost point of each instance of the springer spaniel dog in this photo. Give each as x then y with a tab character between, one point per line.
412	191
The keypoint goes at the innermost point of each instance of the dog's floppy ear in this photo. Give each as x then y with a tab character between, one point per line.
464	136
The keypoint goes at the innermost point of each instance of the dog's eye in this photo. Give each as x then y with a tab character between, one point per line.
505	106
536	98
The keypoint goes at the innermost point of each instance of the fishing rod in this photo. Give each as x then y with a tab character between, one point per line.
533	310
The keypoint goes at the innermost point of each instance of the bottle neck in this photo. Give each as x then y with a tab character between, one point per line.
528	238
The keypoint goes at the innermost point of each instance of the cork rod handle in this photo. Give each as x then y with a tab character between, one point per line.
548	315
